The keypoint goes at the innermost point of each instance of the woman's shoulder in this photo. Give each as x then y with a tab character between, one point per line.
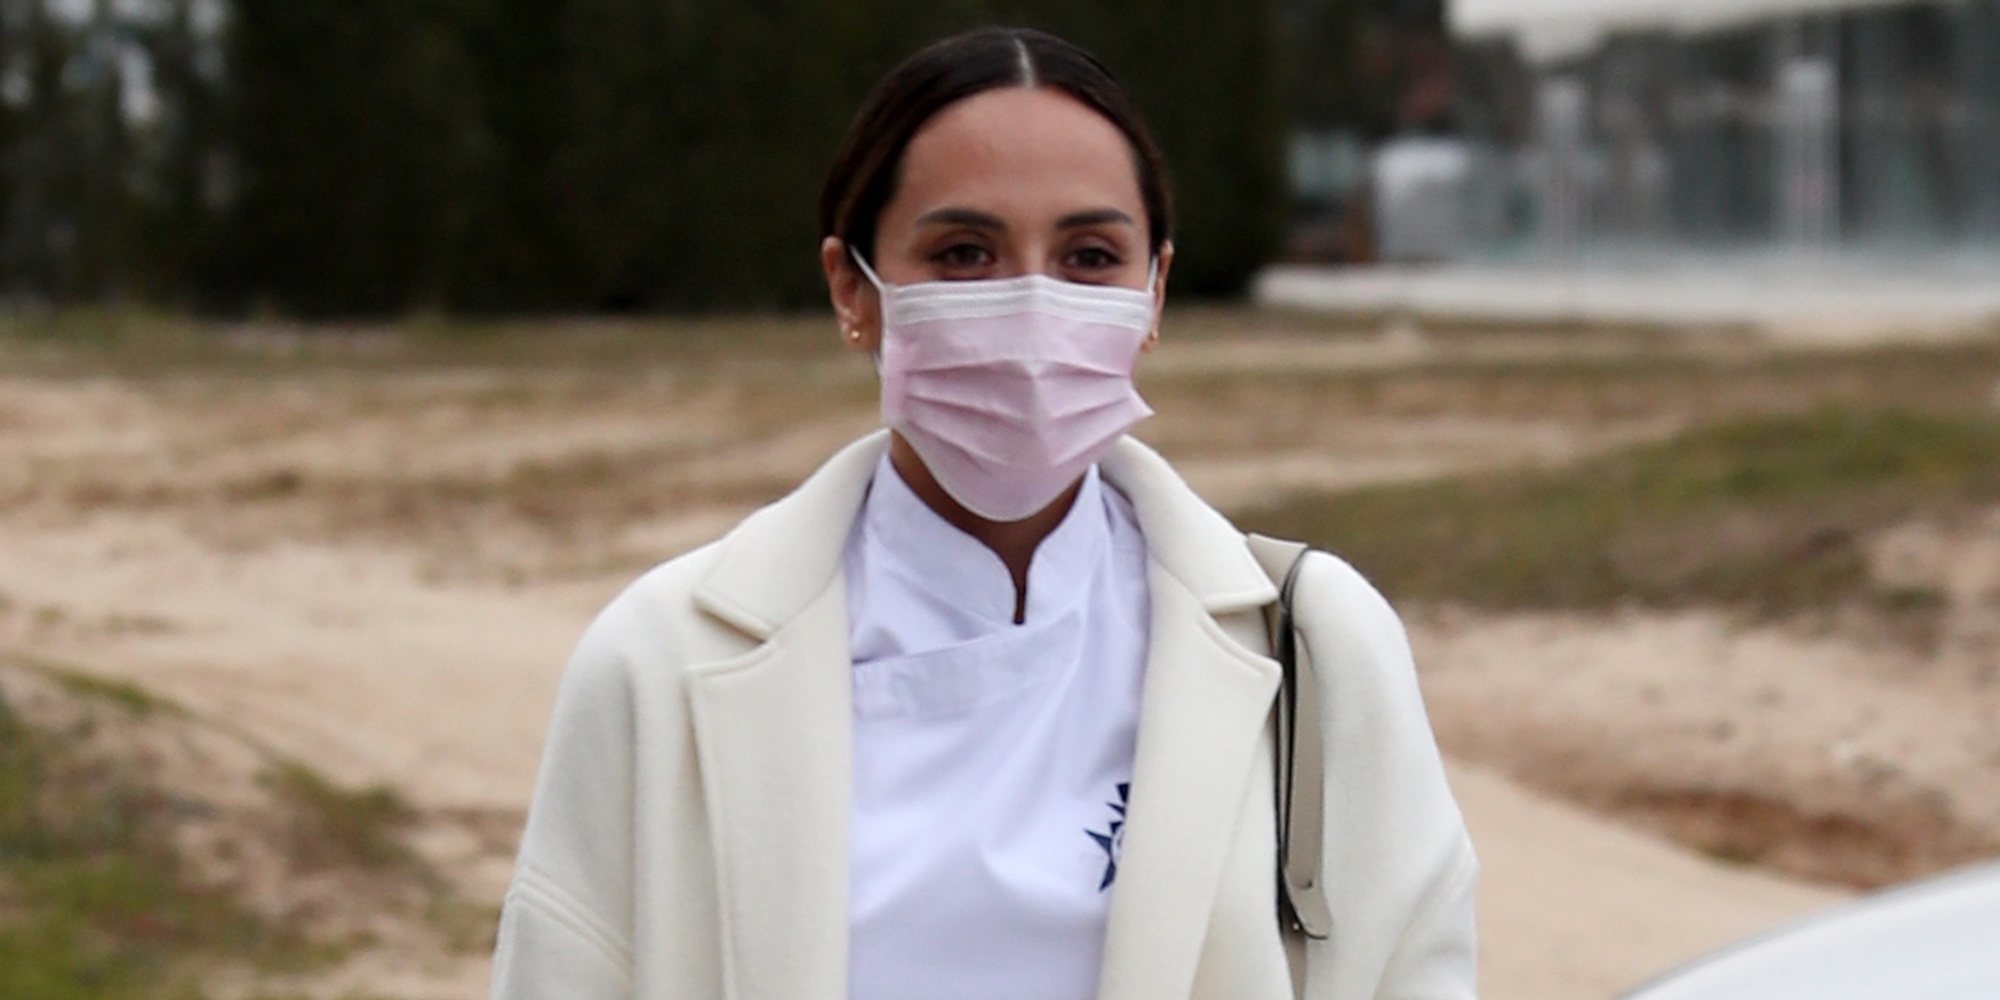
1381	750
667	586
1358	641
645	622
1333	596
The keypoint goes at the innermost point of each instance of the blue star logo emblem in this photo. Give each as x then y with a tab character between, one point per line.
1112	840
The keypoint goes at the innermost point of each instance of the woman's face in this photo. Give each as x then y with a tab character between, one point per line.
1008	182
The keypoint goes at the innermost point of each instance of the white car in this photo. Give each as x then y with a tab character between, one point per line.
1933	940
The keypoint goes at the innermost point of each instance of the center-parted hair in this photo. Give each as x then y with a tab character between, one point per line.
865	171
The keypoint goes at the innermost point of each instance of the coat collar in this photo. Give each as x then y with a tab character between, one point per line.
786	555
1186	536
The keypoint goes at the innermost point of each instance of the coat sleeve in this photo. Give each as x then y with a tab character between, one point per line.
1437	956
1399	864
566	924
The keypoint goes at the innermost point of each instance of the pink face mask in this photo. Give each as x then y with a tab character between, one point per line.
1010	389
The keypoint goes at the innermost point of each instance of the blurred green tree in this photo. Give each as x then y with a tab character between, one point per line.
178	148
108	121
100	239
1209	77
1371	67
329	157
561	155
12	17
40	226
520	253
355	135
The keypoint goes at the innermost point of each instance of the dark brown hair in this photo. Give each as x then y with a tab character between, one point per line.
864	174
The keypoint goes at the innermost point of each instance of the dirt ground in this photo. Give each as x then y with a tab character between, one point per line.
372	551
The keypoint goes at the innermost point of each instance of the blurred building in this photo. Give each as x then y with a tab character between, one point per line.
1372	114
1857	126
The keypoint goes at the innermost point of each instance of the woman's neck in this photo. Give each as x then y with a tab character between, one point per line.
1013	541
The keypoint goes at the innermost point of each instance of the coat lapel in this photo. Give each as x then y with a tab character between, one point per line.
1205	705
773	733
774	737
1206	702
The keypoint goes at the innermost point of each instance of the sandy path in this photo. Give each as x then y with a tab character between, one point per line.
342	658
1808	753
1573	908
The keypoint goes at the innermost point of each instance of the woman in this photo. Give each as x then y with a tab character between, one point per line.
984	708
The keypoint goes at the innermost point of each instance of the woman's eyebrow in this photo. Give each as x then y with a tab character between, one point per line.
961	217
1094	217
953	216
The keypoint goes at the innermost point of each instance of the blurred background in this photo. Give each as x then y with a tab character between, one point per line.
353	353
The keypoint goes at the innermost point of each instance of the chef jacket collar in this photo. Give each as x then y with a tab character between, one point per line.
782	557
964	571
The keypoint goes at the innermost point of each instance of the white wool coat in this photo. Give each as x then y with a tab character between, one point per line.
689	831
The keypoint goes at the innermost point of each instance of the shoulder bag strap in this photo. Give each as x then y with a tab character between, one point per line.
1300	760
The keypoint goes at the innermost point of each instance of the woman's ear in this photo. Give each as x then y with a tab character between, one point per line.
1166	259
856	305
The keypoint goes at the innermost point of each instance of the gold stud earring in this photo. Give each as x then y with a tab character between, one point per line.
853	335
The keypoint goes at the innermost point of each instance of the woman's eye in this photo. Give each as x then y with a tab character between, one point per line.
1093	259
963	256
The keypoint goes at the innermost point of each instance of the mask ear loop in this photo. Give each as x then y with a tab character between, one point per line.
874	353
1153	292
866	271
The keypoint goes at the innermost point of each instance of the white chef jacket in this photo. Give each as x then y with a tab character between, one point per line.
992	761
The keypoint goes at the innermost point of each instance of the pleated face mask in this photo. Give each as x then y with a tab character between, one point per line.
1010	389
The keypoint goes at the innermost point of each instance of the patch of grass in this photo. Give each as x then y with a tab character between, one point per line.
130	697
308	996
1590	382
335	825
1770	514
124	695
1733	855
332	825
95	900
142	345
1917	599
87	327
467	926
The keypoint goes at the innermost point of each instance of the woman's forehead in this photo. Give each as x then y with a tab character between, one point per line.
1021	151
